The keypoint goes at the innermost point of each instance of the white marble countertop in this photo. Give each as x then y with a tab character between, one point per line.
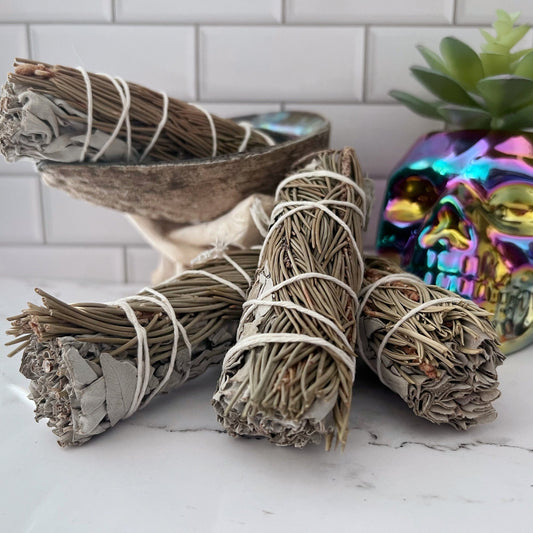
171	467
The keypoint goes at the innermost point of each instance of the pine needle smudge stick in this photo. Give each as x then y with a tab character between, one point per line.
92	364
289	377
439	352
58	113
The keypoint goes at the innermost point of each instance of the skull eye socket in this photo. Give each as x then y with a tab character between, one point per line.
410	200
511	206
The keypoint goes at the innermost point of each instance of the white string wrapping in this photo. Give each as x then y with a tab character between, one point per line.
143	367
159	129
367	292
178	327
89	91
266	137
248	128
321	204
323	173
238	268
126	103
260	219
236	288
125	98
251	306
212	125
247	134
218	252
301	309
143	350
260	339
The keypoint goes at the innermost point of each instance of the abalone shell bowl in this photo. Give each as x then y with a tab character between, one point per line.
195	190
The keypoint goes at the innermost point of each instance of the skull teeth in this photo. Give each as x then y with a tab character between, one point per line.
460	274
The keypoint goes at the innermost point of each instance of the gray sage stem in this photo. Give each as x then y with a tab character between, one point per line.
289	377
82	359
442	359
44	112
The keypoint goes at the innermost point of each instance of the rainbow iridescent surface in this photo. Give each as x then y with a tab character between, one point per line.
458	212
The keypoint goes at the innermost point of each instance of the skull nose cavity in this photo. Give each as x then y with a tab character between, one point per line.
448	228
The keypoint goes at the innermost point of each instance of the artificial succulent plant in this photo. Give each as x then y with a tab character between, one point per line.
492	89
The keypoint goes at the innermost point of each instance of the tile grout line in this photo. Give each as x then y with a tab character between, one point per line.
113	11
75	244
41	206
125	273
366	38
454	12
197	62
237	24
28	41
343	102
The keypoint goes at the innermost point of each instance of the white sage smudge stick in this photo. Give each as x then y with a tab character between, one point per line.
58	113
289	377
92	364
437	351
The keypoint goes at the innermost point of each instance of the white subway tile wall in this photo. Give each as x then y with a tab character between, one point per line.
162	57
56	11
20	208
482	11
68	220
339	58
287	63
380	133
199	12
96	263
13	43
365	12
392	50
140	263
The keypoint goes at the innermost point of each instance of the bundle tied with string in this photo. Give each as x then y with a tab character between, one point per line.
437	351
92	365
58	113
289	376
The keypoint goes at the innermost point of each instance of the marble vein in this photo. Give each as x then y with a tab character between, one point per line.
374	438
168	429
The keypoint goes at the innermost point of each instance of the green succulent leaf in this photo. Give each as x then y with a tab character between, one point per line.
507	35
502	27
419	106
514	36
496	48
515	56
488	89
432	59
462	61
443	86
524	67
505	20
505	93
488	37
519	120
494	63
465	117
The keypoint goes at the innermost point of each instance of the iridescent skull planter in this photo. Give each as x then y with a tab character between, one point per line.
458	212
